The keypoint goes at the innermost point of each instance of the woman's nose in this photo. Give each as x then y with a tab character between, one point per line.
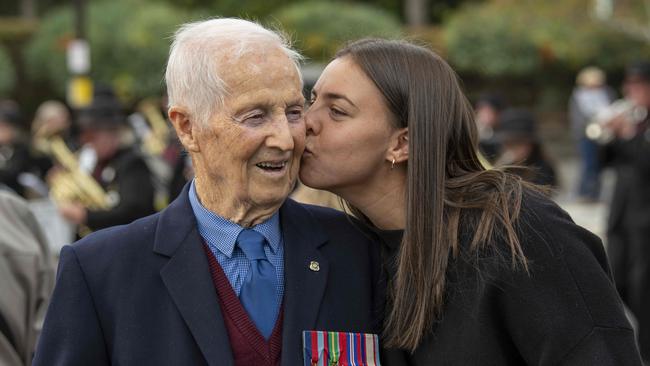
311	122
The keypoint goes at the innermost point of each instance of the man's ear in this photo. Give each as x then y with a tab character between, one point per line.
186	129
398	148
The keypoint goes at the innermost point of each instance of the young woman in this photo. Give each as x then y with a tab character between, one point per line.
482	268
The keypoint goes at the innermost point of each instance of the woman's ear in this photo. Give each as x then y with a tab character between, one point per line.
186	129
398	148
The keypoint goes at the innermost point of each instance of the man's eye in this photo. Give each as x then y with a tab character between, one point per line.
294	115
254	118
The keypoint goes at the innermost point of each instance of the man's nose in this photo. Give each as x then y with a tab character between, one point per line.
281	137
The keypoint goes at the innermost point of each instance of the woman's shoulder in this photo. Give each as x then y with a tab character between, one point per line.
568	280
561	303
549	240
546	231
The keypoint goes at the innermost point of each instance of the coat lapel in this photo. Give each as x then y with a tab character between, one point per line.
304	286
187	278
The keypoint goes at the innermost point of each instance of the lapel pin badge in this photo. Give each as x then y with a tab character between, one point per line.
314	266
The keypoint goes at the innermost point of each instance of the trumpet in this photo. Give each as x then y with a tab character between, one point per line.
598	129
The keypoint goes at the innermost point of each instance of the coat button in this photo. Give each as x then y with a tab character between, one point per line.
314	266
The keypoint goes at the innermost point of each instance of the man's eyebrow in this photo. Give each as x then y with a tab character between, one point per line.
297	101
331	95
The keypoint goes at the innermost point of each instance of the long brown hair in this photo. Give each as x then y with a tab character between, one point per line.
446	182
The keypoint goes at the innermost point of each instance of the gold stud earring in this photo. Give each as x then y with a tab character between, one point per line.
392	164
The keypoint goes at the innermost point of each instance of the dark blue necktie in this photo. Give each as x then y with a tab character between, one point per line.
258	292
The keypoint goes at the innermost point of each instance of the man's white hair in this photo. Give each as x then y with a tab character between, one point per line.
193	69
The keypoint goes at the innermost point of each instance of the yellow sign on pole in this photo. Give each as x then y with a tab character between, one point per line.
80	92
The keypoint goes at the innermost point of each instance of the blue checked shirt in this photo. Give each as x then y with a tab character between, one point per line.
221	236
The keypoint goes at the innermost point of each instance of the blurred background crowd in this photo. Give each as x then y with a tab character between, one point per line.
559	87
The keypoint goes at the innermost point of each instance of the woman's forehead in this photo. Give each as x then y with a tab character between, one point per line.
344	77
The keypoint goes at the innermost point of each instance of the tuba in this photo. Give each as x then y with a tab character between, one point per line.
598	130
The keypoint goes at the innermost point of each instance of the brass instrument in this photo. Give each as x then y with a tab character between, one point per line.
151	127
597	130
73	184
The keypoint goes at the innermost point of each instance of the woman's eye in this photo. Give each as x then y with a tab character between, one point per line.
337	112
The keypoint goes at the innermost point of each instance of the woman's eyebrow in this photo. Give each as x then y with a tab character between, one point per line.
332	95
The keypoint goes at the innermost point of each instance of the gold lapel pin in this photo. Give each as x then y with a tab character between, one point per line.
314	266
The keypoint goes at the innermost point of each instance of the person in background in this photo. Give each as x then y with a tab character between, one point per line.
628	225
52	120
26	280
590	96
15	157
488	109
114	164
521	146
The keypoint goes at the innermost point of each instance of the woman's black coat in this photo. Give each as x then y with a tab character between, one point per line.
563	311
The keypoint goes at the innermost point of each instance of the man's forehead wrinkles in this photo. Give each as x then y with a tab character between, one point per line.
267	98
241	74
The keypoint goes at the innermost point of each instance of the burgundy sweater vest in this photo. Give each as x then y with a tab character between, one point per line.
249	347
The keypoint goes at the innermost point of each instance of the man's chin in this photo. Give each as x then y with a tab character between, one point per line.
271	197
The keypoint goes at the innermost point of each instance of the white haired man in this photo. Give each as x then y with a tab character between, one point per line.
232	272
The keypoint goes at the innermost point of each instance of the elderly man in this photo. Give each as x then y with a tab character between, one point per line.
232	272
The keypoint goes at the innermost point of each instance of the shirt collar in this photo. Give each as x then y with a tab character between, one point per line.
222	233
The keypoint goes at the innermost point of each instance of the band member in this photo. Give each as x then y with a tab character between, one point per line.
628	227
522	146
589	97
488	109
15	157
119	170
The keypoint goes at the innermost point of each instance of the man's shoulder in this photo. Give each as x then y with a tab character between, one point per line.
118	240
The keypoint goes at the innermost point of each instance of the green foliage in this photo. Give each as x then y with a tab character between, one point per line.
45	54
320	28
7	75
249	9
128	47
522	37
490	40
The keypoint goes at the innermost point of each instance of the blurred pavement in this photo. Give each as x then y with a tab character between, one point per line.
560	148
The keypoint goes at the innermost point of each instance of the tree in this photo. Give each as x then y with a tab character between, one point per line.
7	77
128	48
629	17
320	28
415	12
515	37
